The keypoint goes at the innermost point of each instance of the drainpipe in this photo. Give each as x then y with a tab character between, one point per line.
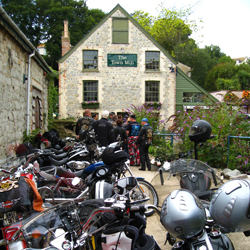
28	95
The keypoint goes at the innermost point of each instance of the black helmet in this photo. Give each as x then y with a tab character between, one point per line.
200	131
113	154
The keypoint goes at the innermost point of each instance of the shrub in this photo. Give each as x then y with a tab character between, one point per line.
144	111
225	120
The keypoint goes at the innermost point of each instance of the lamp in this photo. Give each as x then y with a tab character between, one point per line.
171	67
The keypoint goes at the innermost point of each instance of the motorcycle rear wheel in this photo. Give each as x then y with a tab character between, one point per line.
149	191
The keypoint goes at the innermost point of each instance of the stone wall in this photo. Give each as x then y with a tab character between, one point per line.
13	92
118	87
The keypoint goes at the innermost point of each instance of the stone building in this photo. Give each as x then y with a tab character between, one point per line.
118	64
23	85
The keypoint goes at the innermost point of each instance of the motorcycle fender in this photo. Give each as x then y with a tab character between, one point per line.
103	190
139	178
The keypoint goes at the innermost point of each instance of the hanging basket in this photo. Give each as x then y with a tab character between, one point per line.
154	105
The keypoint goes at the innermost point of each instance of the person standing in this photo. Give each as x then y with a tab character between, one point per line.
119	130
84	124
104	130
113	120
111	115
133	130
95	116
145	140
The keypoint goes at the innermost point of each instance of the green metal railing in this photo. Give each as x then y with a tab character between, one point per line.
164	135
228	140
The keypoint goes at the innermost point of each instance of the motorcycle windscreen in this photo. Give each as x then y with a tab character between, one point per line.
190	174
40	230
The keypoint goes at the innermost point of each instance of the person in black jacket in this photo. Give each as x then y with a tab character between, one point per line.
145	140
104	130
84	125
119	130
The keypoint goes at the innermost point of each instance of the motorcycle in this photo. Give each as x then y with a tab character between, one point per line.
192	174
113	223
185	218
19	199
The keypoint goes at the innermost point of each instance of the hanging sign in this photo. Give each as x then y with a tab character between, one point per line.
122	60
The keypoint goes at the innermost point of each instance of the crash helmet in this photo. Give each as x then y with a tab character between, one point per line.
200	131
183	214
113	154
230	206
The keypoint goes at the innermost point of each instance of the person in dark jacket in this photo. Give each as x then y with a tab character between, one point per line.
104	130
119	130
145	140
133	130
84	124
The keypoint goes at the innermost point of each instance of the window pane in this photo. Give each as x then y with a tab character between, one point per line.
90	59
198	97
193	97
90	92
120	30
152	60
152	91
187	96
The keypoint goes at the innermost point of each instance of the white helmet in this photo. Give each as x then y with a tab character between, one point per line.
230	206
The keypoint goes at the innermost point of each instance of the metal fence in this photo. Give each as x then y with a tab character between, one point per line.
171	135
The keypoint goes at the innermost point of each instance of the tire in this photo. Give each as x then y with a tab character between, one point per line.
149	191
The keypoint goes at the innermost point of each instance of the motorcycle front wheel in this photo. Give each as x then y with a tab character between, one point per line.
148	191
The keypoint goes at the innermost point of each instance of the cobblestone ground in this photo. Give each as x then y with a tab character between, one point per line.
154	226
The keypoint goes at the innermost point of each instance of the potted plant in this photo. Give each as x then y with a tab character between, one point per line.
230	97
90	104
154	105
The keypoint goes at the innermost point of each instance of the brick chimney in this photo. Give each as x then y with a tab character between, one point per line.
65	38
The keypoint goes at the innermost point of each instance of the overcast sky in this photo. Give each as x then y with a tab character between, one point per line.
225	22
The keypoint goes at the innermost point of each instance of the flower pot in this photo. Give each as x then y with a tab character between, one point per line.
90	105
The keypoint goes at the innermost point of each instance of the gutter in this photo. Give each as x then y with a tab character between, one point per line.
28	94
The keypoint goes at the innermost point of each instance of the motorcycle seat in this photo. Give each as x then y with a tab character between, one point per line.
58	163
59	157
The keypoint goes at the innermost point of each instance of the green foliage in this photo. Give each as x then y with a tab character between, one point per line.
223	70
226	59
144	19
145	112
171	28
244	78
161	149
224	119
228	84
239	155
228	76
31	137
52	98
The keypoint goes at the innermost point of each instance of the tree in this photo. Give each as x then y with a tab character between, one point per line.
228	76
223	71
144	19
171	28
42	22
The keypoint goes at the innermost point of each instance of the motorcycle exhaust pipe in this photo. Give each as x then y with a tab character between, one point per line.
59	200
